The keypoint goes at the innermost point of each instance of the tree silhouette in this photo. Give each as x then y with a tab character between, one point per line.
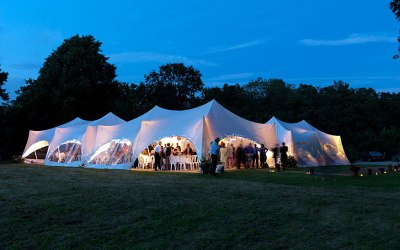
174	86
3	79
395	7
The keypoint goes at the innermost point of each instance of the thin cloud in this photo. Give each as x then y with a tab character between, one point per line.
25	66
139	57
230	77
350	40
388	90
345	78
234	47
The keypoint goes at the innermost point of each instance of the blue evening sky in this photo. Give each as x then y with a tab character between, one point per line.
309	41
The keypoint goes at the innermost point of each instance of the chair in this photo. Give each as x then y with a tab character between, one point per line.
173	162
194	162
148	162
182	162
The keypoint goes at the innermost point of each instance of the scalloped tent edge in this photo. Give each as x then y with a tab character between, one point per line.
310	146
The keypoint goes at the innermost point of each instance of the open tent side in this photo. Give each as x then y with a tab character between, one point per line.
109	140
82	136
185	123
311	147
40	139
220	122
332	147
198	125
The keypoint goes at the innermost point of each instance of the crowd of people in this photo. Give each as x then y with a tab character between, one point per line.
162	155
249	156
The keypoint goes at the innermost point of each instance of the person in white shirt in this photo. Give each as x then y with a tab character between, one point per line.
157	157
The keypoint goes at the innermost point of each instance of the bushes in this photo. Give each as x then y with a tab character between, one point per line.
205	165
16	159
355	169
292	163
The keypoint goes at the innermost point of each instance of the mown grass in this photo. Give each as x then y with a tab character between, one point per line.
47	208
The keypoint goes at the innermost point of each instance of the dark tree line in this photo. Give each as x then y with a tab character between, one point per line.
77	81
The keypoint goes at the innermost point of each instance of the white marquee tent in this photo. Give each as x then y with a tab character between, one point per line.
310	146
41	139
198	125
111	142
69	145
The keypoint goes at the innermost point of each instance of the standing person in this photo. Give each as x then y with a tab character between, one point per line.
157	157
239	154
178	149
167	156
222	154
263	155
214	151
255	156
275	155
249	155
229	156
188	150
284	157
162	154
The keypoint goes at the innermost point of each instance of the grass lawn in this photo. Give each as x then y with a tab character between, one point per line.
50	207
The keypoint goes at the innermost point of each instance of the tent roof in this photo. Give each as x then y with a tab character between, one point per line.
330	145
42	138
200	125
79	131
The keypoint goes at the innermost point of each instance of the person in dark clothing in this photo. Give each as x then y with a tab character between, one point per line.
263	155
167	156
284	157
255	156
239	156
157	157
275	154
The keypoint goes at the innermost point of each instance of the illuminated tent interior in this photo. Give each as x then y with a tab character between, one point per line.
199	126
179	159
38	142
111	142
70	145
308	145
110	139
237	140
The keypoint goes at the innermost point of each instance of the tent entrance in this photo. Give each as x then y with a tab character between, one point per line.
233	155
176	153
39	154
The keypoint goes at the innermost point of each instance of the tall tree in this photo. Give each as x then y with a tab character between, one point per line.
273	98
395	7
233	97
3	79
75	80
174	86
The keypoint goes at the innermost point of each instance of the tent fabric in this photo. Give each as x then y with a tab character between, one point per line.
310	146
40	139
76	142
199	125
110	142
108	139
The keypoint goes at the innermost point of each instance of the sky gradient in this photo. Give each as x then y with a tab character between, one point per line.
310	41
